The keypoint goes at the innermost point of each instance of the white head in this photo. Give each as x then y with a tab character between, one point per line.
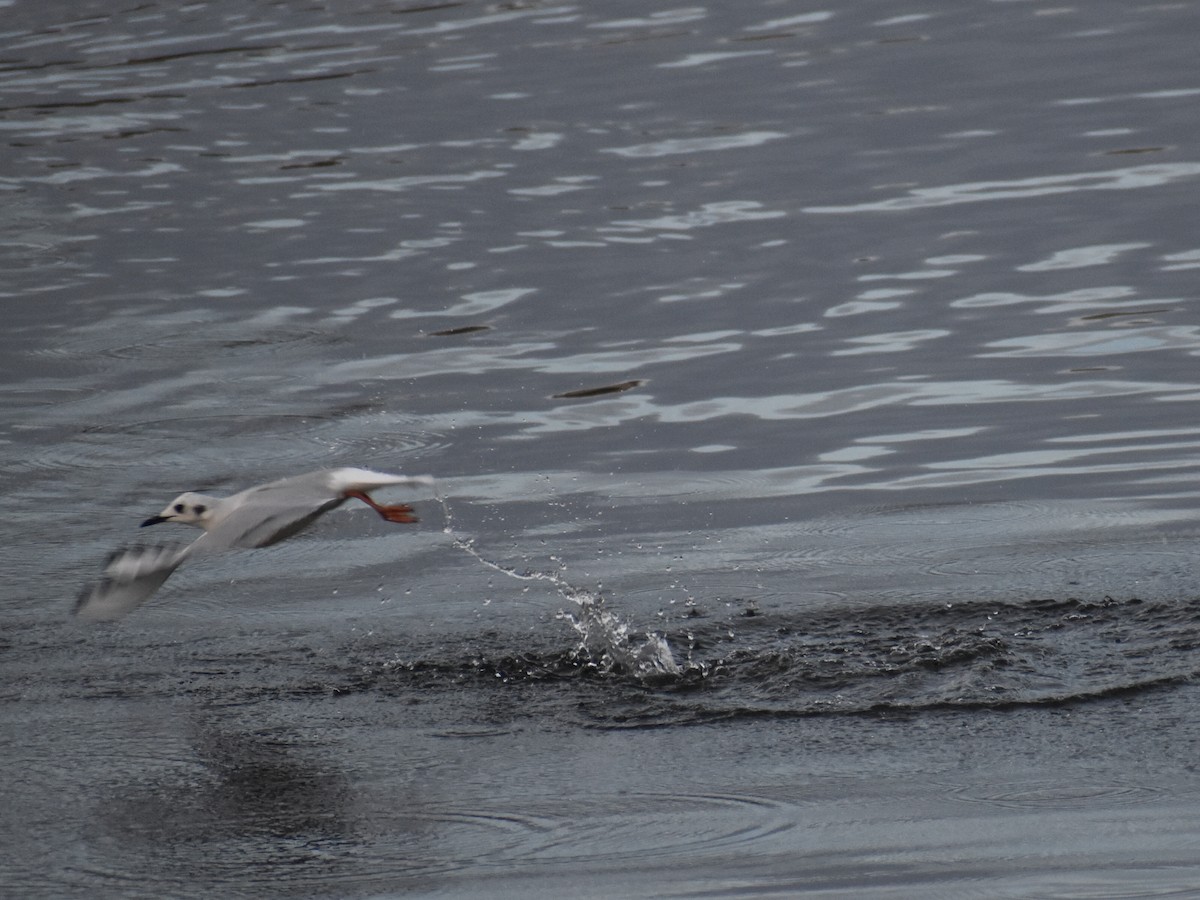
187	509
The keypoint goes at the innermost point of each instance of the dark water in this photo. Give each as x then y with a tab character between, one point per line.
827	378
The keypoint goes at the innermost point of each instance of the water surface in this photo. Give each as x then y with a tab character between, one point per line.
833	370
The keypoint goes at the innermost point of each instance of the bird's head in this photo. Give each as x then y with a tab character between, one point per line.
187	509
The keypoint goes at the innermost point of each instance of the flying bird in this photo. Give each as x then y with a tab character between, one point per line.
256	517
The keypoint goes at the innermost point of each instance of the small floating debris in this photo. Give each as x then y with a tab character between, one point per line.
314	164
598	391
461	329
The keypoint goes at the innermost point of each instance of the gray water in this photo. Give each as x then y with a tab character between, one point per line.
813	392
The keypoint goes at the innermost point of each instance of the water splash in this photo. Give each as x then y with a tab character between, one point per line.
607	641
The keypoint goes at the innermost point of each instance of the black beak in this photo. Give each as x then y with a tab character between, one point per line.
154	520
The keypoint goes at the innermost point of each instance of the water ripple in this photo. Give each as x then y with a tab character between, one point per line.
1129	339
709	214
675	146
394	185
783	407
1083	257
1130	178
481	360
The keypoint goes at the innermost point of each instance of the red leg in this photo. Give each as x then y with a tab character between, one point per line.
400	512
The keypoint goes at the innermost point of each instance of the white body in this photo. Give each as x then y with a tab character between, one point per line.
256	517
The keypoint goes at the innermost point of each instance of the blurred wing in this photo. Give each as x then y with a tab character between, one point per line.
130	578
266	516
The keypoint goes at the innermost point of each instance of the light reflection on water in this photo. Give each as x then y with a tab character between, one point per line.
1134	177
848	355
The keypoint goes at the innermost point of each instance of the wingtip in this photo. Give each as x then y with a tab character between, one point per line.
82	610
368	479
130	576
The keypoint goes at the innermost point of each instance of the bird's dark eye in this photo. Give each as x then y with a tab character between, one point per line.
199	510
178	507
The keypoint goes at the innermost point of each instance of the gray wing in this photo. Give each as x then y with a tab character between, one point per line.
130	578
265	515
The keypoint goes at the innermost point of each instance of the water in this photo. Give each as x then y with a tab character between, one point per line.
811	395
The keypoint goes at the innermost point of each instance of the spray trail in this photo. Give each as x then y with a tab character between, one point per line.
607	640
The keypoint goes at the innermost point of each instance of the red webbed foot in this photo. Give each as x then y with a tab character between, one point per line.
400	513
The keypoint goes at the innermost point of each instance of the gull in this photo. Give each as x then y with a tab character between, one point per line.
256	517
